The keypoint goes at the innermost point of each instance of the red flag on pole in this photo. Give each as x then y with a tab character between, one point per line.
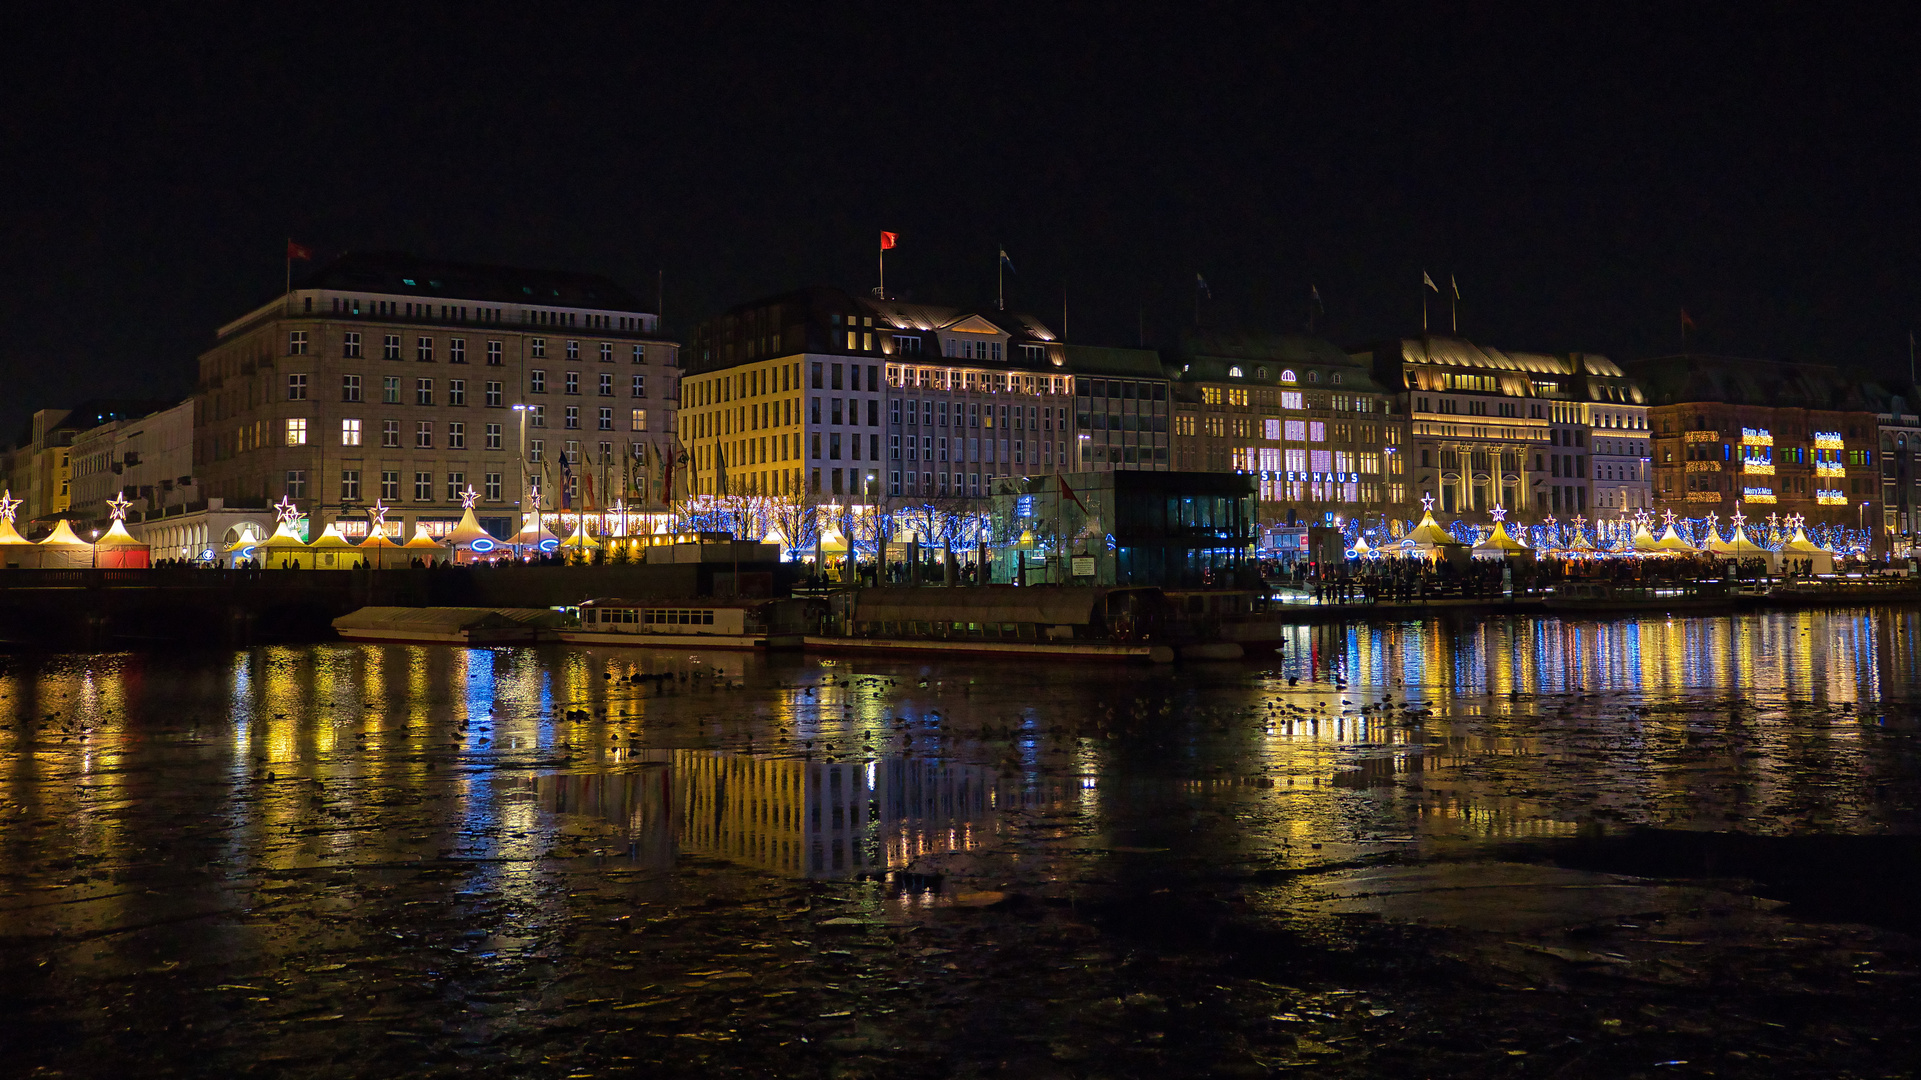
887	240
299	251
1686	320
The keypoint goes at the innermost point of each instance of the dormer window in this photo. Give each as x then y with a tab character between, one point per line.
1313	376
1335	378
1260	373
1234	373
1287	375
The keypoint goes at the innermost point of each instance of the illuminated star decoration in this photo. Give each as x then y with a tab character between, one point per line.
8	506
117	506
286	511
467	498
1667	518
533	495
377	518
1499	513
1738	518
1427	503
1774	521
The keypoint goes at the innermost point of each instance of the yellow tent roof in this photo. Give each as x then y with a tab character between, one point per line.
11	535
284	537
1499	542
1800	544
377	538
118	536
532	531
1428	534
580	538
1360	546
422	540
330	538
1672	541
468	530
62	536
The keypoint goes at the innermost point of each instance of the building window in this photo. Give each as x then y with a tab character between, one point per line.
606	418
457	435
390	390
455	481
350	388
296	388
493	354
573	350
350	345
606	385
573	382
539	418
423	391
573	417
423	487
390	484
493	436
457	350
493	395
350	485
640	386
424	350
456	391
297	431
350	433
640	354
539	347
296	343
572	452
535	447
296	483
490	489
536	381
639	420
424	435
390	433
390	347
606	352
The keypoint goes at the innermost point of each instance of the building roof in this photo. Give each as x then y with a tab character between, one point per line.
1457	352
399	273
1103	360
1730	380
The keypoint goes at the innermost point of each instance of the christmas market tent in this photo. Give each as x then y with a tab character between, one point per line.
423	546
1580	545
1429	541
1801	549
580	539
15	550
284	550
1671	540
469	539
332	551
533	537
379	551
1642	542
1741	547
62	550
118	549
1500	545
1360	550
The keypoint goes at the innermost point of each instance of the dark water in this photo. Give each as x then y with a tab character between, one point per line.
1532	846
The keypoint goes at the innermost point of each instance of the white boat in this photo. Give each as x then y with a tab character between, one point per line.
689	624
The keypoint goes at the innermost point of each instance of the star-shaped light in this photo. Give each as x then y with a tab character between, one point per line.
8	506
1738	518
1548	521
1578	522
533	494
377	518
117	506
1427	503
1667	518
1499	513
467	498
1774	521
286	511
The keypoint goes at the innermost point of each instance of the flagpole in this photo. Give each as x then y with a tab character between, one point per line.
883	269
1000	282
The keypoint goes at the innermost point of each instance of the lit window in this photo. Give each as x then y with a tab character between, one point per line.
297	431
639	420
350	433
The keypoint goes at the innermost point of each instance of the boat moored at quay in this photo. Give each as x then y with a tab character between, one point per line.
689	624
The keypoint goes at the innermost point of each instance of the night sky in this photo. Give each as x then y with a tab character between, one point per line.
1585	175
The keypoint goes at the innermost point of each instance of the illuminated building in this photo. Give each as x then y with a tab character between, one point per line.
821	392
1895	410
39	467
147	458
1322	439
391	377
1488	426
1773	436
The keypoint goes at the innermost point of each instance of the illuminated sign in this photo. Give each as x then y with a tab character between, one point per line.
1024	506
1757	468
1756	437
1313	477
1830	497
1759	495
1829	468
1704	466
1702	436
1828	440
549	545
1704	496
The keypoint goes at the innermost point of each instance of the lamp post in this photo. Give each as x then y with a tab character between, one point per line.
95	536
1861	521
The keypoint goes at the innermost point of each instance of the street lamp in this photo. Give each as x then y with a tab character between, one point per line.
95	535
523	410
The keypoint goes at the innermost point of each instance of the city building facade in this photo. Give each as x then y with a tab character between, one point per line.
406	380
1323	440
39	467
822	393
1897	411
1762	437
147	460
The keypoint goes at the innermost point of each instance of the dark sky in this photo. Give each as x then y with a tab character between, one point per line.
1585	173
